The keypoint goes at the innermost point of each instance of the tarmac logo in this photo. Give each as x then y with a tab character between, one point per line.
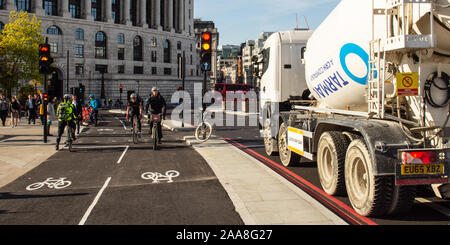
158	177
51	183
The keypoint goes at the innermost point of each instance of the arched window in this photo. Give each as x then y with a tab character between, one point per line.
137	48
100	45
167	53
79	34
23	5
54	30
121	38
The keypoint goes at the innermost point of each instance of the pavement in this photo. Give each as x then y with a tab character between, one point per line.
22	149
260	196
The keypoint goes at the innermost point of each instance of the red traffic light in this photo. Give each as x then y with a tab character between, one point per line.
44	49
206	36
121	87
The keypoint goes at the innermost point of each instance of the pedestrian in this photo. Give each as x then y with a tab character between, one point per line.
31	107
94	106
15	110
41	107
78	112
4	106
51	114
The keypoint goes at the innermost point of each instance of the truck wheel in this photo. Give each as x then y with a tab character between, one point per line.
287	157
270	144
402	199
331	162
370	195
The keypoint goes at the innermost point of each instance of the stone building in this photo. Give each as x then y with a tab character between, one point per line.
133	43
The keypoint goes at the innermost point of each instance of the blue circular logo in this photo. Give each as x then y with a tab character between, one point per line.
351	48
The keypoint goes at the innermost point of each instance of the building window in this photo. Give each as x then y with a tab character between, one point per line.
121	69
79	51
100	45
53	47
101	68
154	71
137	49
138	70
116	11
154	42
1	4
154	56
167	51
149	12
79	69
74	8
51	7
167	71
23	5
79	34
133	12
179	45
54	30
2	26
121	54
96	6
120	38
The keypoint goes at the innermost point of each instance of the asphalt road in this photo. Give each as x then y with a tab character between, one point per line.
248	139
106	184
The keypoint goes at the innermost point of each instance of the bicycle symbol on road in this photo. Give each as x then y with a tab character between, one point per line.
51	183
158	177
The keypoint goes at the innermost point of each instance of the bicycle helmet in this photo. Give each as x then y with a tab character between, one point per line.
155	89
67	97
92	96
133	96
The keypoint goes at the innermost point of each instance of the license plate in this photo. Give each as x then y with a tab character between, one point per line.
425	169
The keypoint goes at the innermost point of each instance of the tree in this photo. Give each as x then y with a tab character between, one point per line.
19	50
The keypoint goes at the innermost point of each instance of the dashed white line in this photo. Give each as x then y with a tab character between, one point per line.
123	154
89	210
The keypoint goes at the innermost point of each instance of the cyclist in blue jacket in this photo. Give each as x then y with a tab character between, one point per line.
93	117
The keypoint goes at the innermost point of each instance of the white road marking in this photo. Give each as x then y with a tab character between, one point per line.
123	154
437	207
88	212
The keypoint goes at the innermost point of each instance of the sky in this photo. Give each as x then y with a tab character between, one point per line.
241	20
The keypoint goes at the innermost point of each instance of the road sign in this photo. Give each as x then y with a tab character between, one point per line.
206	66
408	84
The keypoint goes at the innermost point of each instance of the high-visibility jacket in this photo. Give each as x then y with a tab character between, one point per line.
66	112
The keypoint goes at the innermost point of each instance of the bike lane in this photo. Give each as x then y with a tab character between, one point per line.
93	161
107	187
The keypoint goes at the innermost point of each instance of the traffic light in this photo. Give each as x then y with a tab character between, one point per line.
206	51
121	89
45	98
45	60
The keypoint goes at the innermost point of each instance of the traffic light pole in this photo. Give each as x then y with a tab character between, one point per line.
44	102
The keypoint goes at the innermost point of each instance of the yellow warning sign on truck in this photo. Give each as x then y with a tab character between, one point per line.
408	84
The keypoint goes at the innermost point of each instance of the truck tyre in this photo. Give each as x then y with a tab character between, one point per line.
270	144
287	157
402	199
369	195
331	153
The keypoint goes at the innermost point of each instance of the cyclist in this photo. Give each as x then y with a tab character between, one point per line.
157	105
66	117
93	117
135	108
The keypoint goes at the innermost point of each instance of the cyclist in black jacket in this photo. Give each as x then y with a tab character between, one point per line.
157	105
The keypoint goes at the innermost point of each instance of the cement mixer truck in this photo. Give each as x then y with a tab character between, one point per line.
374	113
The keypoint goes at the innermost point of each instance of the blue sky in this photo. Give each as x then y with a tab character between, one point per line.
240	20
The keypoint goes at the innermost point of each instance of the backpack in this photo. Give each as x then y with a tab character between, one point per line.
63	112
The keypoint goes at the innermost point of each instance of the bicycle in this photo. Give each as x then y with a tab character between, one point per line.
203	131
156	119
134	130
51	183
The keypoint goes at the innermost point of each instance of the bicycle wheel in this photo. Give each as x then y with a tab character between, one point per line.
63	184
155	136
135	136
35	186
203	132
69	137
